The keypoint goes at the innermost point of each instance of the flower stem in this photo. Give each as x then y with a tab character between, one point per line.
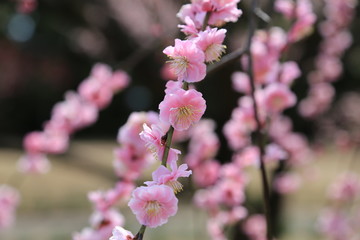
140	234
260	140
169	135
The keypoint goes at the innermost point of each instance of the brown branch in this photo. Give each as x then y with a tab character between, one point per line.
260	138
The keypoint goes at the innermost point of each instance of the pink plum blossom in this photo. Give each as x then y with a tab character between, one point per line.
154	139
230	192
187	60
182	108
33	163
163	175
129	132
346	188
118	81
289	72
241	82
94	92
104	200
278	97
287	183
153	205
130	163
210	42
9	199
104	221
74	112
255	227
206	173
120	233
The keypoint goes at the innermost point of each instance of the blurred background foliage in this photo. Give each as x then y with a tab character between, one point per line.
51	50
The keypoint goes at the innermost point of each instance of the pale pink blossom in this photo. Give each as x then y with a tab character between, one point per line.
206	173
187	60
210	42
46	142
182	108
101	72
93	91
287	183
9	200
74	112
346	188
289	72
278	97
249	156
129	132
189	28
155	139
130	163
274	153
104	222
205	146
230	171
279	126
230	193
173	86
216	229
221	12
236	134
120	233
207	198
104	200
335	224
305	21
153	205
286	7
255	227
33	163
163	175
118	81
241	82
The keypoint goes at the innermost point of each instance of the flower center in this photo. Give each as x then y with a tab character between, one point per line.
152	208
214	51
179	64
175	185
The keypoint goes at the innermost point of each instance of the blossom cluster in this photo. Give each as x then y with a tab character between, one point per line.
341	217
328	67
79	109
182	108
225	193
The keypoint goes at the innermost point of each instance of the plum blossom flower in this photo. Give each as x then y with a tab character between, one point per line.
153	205
9	199
163	175
182	108
278	97
187	60
33	163
210	41
207	173
120	233
155	142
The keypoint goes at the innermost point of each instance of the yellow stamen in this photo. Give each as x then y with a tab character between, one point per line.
175	185
152	208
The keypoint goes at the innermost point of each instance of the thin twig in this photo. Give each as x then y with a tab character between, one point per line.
229	58
259	135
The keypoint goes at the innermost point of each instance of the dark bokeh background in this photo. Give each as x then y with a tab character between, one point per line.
51	50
